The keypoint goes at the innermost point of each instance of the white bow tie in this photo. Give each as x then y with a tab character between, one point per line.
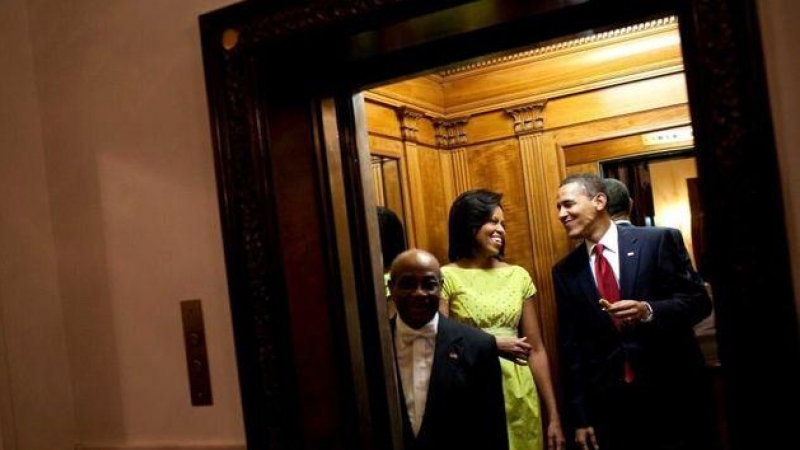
409	335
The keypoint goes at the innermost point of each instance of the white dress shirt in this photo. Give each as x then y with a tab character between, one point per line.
610	242
414	350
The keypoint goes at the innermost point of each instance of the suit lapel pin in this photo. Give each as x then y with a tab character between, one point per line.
630	253
453	355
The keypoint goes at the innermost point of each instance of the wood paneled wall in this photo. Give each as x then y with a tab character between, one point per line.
518	125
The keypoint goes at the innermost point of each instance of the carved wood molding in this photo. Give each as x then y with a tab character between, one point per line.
301	19
540	182
728	126
398	100
448	176
461	180
624	125
377	183
738	170
408	122
528	118
255	278
451	133
415	193
570	44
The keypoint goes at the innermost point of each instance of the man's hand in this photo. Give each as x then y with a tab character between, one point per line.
626	311
586	439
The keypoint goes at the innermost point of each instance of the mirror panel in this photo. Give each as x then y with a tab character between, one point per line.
518	122
386	176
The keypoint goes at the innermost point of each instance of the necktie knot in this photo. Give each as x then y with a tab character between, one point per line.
409	335
598	249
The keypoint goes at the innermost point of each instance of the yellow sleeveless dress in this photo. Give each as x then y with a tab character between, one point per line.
491	299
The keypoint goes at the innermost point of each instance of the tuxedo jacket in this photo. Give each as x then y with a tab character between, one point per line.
465	406
663	354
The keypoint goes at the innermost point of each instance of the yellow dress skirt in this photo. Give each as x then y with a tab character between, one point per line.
492	299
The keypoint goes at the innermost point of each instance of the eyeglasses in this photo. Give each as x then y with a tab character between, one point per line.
408	284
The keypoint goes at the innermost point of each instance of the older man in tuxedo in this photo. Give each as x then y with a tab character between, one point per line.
634	376
449	373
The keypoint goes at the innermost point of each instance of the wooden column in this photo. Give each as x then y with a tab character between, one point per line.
451	137
542	168
377	182
413	192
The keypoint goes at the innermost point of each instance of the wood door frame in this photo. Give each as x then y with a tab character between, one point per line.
332	388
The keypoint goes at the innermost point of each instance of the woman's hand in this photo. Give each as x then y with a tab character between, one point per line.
515	349
555	436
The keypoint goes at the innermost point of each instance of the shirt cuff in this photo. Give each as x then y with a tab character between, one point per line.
649	316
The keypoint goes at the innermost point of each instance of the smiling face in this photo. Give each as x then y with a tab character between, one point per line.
583	216
415	286
491	236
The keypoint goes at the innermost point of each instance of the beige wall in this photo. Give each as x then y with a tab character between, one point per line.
780	23
109	219
34	370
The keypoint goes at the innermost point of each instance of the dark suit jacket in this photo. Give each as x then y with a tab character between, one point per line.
677	236
663	354
465	406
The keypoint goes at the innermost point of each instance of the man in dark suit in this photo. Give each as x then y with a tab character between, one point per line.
634	375
449	373
620	203
619	207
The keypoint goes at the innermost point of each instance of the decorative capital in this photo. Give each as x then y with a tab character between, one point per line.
451	133
528	118
408	122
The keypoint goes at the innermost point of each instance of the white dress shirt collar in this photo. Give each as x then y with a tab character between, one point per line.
610	241
403	328
415	361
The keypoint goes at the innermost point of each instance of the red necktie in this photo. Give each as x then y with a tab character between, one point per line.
606	281
609	290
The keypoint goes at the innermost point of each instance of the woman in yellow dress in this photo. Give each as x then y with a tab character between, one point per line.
482	290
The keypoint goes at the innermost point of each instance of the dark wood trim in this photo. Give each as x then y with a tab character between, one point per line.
256	283
745	222
267	147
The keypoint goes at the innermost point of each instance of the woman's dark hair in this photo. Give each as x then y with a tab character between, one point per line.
393	237
468	213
